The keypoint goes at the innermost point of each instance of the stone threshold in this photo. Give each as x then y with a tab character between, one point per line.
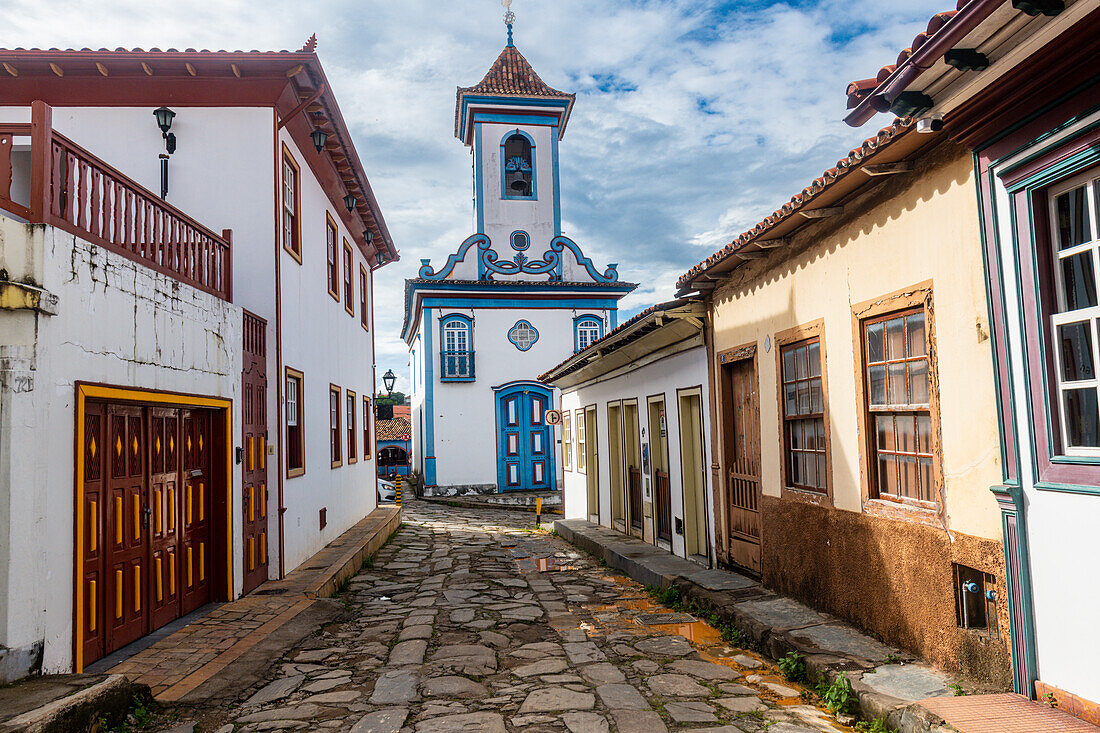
888	682
176	666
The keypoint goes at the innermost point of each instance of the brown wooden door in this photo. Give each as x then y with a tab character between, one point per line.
741	444
634	484
127	542
254	508
195	550
96	449
164	529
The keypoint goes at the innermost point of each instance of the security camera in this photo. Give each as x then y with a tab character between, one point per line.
932	123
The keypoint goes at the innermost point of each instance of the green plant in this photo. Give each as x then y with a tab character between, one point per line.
957	689
368	563
139	716
838	695
793	666
878	725
892	658
1050	699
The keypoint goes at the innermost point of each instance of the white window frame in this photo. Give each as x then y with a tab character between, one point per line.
588	334
567	439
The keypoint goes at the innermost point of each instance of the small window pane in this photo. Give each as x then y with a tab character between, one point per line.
810	467
1073	218
788	365
907	433
875	350
800	362
887	475
1078	281
926	488
897	384
796	468
822	479
790	399
813	357
918	382
884	428
796	435
1082	421
815	396
878	385
909	483
895	342
1076	341
803	398
914	326
924	434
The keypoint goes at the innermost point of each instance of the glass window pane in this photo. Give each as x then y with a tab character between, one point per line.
878	385
908	483
820	434
927	492
1081	417
918	382
897	395
914	328
800	362
810	467
796	467
1076	340
815	396
813	358
788	365
790	399
1073	218
924	433
884	429
887	475
907	433
1078	281
875	352
895	340
796	434
822	480
803	398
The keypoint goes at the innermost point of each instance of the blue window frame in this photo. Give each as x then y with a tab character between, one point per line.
517	166
456	348
586	331
523	335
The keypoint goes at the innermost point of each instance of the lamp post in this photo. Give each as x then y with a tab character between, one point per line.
388	379
164	122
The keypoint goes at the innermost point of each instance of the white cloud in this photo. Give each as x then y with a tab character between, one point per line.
694	118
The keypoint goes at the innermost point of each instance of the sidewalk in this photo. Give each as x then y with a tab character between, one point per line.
175	666
888	682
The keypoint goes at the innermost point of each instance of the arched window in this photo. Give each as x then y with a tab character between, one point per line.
517	152
587	330
456	354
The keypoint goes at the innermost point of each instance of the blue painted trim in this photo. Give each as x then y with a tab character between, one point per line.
564	104
426	271
577	329
1063	169
516	303
524	286
614	318
515	343
556	182
534	168
479	182
551	263
524	432
512	240
469	322
517	119
429	399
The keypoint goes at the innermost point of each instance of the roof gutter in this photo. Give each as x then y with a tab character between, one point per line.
966	20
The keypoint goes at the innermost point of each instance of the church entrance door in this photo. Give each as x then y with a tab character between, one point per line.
525	447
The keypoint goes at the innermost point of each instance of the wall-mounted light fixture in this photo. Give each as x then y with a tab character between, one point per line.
369	235
164	122
349	202
388	379
319	137
381	258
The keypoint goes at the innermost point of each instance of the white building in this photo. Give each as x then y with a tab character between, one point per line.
185	365
514	299
636	431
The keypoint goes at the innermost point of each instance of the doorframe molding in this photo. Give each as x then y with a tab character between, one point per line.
551	446
681	393
150	397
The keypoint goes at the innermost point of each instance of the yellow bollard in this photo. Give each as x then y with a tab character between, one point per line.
397	483
538	511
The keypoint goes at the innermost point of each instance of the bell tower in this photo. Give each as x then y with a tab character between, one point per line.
512	122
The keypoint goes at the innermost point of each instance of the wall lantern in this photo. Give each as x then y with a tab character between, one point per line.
388	379
320	137
349	201
369	235
164	122
164	118
381	259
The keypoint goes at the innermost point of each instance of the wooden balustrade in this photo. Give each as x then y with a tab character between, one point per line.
74	190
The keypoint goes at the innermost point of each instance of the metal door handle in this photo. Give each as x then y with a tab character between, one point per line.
146	510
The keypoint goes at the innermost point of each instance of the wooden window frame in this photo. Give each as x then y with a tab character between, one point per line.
567	440
367	453
364	306
793	337
294	246
906	299
348	270
300	414
332	257
335	434
352	406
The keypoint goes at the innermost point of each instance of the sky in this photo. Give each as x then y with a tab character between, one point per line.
694	119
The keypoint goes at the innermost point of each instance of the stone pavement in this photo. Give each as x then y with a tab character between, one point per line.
469	620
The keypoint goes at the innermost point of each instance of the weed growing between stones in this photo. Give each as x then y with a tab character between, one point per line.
957	689
793	667
837	695
140	715
878	725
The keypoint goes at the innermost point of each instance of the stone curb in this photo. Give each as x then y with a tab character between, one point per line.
109	699
349	564
772	642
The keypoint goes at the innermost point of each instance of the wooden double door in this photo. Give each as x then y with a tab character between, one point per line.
254	426
148	506
741	452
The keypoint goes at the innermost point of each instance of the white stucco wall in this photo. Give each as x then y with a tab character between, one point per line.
119	323
504	216
683	370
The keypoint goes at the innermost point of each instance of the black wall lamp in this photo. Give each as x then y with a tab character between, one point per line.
349	202
388	379
164	122
319	137
1049	8
381	258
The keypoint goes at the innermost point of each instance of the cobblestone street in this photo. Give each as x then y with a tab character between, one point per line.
470	620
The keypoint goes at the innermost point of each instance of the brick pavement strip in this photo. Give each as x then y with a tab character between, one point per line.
470	620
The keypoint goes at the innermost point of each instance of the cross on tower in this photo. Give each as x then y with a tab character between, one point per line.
509	18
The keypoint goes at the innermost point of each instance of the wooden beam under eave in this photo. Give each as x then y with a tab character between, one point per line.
11	69
822	213
773	243
236	70
753	255
147	68
102	69
56	69
888	169
191	69
295	71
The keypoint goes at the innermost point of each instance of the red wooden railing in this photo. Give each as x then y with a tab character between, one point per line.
74	190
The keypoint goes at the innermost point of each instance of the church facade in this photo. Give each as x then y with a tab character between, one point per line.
513	300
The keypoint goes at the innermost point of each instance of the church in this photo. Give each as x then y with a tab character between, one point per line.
514	299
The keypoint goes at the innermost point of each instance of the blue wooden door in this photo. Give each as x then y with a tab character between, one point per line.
525	450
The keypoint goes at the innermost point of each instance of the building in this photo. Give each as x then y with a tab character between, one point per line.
1018	85
513	300
393	444
161	356
854	438
635	431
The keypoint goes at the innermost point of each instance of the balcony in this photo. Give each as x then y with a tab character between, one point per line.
456	366
45	178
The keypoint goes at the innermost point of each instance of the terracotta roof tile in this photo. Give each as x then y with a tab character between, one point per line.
512	75
399	428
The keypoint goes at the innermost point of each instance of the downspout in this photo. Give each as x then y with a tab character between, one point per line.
279	407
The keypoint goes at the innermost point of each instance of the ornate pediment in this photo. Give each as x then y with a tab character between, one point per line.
562	261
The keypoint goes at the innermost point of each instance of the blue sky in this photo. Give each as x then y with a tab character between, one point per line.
694	119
